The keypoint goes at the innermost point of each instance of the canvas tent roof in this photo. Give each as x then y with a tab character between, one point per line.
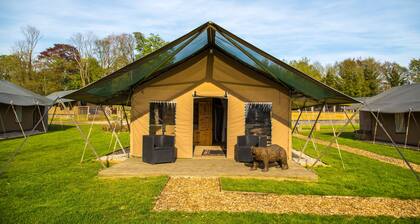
16	95
399	99
116	87
61	95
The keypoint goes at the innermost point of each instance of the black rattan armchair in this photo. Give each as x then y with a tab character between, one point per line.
159	149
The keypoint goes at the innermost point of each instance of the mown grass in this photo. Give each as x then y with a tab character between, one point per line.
46	184
348	138
361	177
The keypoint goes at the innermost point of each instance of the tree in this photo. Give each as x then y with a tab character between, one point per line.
24	51
394	74
58	68
351	79
85	45
115	51
146	45
304	65
331	78
10	68
371	73
414	67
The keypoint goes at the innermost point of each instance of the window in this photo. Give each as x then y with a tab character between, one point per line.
18	117
258	119
399	123
162	118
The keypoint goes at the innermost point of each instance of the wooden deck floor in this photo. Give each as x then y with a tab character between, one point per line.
134	167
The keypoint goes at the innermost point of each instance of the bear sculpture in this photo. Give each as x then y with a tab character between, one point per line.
267	155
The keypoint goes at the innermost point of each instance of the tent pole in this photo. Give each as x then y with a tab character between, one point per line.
376	128
311	132
338	135
407	129
336	140
417	125
88	136
297	121
2	125
17	119
396	147
52	118
126	119
345	113
84	138
113	131
42	121
17	150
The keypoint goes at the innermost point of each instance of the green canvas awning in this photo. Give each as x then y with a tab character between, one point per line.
117	87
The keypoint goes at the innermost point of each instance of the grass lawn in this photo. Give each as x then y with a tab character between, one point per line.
348	138
362	176
46	184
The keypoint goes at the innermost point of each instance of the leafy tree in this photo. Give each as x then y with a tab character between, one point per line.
414	67
146	45
58	68
371	73
10	68
394	74
331	78
304	65
351	79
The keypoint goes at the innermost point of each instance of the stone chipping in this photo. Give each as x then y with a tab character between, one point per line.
205	194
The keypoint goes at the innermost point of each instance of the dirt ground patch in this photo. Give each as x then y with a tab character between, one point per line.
205	194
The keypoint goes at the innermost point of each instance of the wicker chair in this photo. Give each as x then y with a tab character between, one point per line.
159	149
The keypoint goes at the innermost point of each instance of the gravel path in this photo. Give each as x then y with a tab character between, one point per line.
361	152
205	194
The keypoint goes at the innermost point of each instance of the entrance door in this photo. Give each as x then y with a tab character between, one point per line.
205	126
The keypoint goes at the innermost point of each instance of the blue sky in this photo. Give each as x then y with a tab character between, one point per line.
324	31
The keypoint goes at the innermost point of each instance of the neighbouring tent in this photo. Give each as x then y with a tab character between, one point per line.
21	111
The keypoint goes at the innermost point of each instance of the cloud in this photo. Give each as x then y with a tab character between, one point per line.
324	31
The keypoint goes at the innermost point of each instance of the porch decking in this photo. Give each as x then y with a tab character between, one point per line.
134	167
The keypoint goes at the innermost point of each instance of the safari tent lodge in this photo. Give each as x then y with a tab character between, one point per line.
205	89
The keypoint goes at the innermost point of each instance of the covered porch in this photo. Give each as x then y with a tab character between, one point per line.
135	167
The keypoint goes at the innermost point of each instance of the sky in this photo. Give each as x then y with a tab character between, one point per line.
323	31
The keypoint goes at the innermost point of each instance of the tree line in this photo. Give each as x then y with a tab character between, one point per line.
64	66
87	58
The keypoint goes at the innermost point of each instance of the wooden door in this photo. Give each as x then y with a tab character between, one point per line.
205	122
